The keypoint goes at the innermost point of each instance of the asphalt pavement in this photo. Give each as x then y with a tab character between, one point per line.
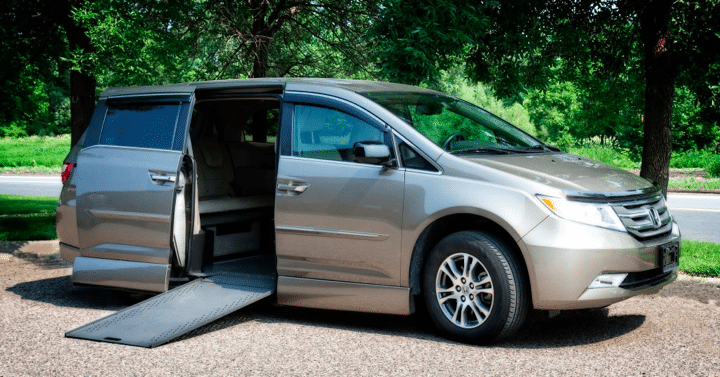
697	215
34	185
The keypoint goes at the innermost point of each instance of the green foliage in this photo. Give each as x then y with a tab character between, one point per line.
32	152
700	258
136	43
713	169
555	112
607	151
482	95
25	218
697	37
690	131
702	159
34	98
416	41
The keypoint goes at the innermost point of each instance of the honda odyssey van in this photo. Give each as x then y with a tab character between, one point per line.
355	195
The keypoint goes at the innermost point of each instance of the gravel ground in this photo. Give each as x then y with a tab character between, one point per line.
675	332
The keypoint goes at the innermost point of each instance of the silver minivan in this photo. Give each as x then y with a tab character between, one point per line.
355	195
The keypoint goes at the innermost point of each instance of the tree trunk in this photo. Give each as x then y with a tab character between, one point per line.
82	83
82	102
659	91
260	39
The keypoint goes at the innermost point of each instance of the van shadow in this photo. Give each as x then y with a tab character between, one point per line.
59	291
566	330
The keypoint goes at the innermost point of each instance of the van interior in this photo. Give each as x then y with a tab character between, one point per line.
232	203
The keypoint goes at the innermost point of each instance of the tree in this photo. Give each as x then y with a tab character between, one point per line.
526	39
32	70
417	41
259	38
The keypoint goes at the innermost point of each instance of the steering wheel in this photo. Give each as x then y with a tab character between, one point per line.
451	139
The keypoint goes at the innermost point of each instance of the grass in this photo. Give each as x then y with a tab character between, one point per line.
712	184
693	159
606	154
27	218
700	258
34	153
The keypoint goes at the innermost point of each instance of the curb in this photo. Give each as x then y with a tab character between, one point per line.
691	191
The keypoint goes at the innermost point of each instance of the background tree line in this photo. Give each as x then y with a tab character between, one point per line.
645	72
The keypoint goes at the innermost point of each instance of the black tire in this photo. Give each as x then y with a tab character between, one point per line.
486	299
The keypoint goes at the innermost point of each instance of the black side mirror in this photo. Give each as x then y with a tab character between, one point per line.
371	152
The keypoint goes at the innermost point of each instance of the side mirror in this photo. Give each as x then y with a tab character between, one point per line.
371	152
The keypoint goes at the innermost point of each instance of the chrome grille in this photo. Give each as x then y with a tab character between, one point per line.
645	218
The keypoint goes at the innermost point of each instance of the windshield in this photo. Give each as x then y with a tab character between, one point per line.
457	126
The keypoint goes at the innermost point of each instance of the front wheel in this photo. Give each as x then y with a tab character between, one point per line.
474	289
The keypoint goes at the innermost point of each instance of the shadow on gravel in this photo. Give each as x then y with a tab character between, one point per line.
704	291
566	330
572	328
60	291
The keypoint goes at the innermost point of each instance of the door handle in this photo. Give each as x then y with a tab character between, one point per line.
297	189
161	178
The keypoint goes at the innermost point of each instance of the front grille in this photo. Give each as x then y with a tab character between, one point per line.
645	218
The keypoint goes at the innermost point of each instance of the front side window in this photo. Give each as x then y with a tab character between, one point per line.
142	126
412	159
329	134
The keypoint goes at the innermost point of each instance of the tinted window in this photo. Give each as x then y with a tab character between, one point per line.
412	159
144	126
329	134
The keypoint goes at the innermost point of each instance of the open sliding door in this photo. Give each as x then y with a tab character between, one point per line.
130	187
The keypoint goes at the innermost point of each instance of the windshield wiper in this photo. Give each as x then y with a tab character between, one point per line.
540	148
484	150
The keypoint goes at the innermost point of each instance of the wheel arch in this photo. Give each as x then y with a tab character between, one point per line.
452	223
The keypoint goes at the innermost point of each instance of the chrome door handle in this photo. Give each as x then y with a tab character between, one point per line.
160	178
292	188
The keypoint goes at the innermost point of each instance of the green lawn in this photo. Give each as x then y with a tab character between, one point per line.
34	153
712	184
27	218
700	258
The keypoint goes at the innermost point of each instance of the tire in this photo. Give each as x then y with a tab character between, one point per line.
474	289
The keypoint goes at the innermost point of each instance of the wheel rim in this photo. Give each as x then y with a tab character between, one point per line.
464	290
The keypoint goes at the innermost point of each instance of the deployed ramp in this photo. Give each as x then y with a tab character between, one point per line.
178	311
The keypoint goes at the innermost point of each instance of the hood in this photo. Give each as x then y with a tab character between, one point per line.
564	171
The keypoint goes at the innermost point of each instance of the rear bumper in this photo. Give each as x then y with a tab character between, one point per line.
564	258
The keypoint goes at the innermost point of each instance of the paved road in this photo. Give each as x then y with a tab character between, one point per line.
698	215
35	185
673	333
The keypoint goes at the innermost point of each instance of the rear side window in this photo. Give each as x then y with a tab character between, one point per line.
142	126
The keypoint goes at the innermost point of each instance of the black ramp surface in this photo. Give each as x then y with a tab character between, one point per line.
165	317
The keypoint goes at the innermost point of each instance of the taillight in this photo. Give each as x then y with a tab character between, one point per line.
66	170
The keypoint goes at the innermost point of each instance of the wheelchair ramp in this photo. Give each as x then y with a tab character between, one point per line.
178	311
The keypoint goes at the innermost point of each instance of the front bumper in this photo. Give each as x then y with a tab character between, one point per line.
564	257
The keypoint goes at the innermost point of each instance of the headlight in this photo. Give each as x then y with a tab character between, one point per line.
601	215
